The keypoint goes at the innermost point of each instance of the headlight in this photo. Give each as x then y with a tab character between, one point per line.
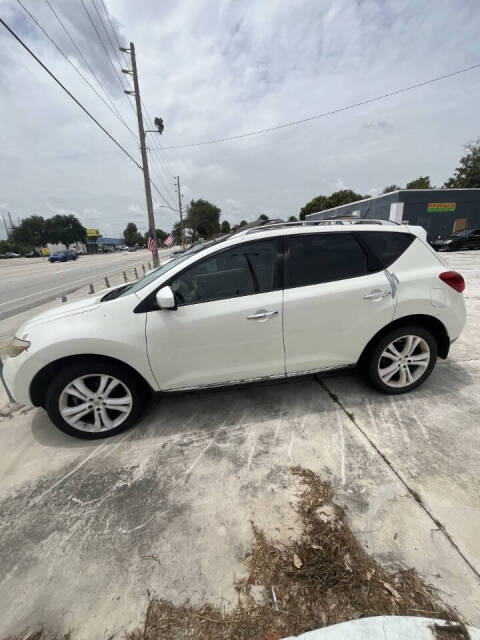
16	346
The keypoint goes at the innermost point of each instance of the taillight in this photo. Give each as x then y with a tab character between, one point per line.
454	280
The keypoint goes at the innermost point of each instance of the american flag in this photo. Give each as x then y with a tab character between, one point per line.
152	244
168	242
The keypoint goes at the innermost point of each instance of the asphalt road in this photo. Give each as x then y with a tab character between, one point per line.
26	283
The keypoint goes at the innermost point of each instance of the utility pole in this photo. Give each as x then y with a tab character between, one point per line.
6	228
141	132
182	231
11	223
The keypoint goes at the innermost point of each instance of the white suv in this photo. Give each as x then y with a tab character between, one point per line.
273	302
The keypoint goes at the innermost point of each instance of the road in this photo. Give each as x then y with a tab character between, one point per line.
26	283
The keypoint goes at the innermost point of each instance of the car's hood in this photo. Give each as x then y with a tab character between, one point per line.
64	311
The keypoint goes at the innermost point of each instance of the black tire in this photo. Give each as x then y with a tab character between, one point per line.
373	358
91	367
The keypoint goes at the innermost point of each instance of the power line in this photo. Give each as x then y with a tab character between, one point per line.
85	79
45	68
106	52
107	34
162	156
78	50
120	66
327	113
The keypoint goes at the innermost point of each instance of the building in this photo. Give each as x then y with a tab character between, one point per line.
109	244
441	212
93	236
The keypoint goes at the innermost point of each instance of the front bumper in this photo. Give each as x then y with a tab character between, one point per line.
15	380
5	384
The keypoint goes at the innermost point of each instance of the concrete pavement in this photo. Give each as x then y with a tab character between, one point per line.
88	527
27	282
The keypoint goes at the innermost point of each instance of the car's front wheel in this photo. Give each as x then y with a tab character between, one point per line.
402	359
95	399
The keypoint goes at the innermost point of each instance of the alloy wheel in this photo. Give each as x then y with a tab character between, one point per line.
95	403
404	361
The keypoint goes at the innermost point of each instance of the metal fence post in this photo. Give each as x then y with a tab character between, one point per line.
149	266
143	269
64	299
107	283
92	290
135	271
125	279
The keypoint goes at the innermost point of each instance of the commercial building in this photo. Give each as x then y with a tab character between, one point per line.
441	212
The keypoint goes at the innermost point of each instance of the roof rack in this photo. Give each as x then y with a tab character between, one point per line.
317	223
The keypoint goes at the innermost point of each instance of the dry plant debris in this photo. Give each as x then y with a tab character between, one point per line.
323	578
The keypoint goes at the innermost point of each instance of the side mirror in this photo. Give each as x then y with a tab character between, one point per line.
166	298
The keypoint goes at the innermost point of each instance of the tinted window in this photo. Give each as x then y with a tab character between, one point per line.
241	271
323	257
387	246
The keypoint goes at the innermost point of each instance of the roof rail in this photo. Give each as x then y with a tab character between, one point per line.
317	223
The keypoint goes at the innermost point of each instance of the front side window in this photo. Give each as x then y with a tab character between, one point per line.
323	257
243	270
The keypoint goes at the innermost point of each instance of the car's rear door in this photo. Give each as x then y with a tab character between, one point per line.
228	324
337	297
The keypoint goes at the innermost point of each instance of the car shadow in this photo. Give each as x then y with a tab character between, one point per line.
196	414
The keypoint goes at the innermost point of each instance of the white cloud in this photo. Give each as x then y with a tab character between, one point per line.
218	68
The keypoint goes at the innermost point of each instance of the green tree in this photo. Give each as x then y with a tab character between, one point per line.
65	229
161	236
225	226
31	232
130	234
391	187
317	204
242	223
263	217
423	182
336	199
292	219
203	218
467	174
177	233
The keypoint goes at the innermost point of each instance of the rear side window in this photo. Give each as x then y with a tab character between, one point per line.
323	257
386	246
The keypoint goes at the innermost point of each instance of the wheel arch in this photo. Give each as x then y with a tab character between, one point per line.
41	380
432	324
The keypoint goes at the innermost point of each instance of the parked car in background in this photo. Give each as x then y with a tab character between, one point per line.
63	256
466	239
272	302
10	254
131	248
34	254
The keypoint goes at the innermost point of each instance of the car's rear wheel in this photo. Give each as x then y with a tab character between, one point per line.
95	399
402	360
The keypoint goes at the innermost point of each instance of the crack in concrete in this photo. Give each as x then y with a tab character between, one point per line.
411	491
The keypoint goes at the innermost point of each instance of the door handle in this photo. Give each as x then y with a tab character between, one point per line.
377	295
259	315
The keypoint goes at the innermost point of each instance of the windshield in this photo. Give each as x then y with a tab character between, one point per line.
152	276
464	233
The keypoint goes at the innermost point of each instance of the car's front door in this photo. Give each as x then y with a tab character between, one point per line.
333	303
228	323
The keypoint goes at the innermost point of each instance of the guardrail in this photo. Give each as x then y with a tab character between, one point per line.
112	280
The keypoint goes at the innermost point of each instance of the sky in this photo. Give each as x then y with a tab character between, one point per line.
219	68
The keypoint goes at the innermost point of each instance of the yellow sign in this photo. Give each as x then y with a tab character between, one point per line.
45	251
93	233
434	207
